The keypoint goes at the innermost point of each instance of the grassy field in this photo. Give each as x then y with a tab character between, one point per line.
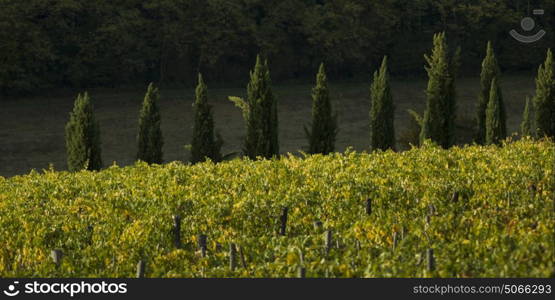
32	131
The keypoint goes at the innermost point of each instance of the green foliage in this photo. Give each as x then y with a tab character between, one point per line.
83	137
490	70
104	222
544	101
205	143
437	123
241	104
451	101
71	43
260	114
496	127
149	138
322	135
416	117
382	130
528	127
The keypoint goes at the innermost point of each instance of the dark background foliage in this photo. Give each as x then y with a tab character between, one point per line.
96	43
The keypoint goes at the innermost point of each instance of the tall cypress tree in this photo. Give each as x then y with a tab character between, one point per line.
149	138
205	143
439	96
260	114
490	70
323	131
451	104
382	130
496	128
527	127
83	137
544	101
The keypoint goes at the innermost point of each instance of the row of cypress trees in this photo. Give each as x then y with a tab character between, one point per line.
259	112
438	125
261	118
539	112
83	134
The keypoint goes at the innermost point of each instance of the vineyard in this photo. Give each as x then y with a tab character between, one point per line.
427	212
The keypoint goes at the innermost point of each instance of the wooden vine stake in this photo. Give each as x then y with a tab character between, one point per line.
302	272
202	244
328	240
431	260
368	206
141	266
431	209
232	257
283	221
56	255
318	225
242	256
455	197
177	231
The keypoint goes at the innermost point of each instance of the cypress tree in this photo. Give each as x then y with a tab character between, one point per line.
149	138
439	96
260	114
451	104
544	101
527	127
382	130
83	137
490	70
324	123
496	129
205	144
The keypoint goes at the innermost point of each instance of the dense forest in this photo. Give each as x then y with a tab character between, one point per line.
96	43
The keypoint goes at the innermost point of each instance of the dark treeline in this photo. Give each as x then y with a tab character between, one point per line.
98	43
